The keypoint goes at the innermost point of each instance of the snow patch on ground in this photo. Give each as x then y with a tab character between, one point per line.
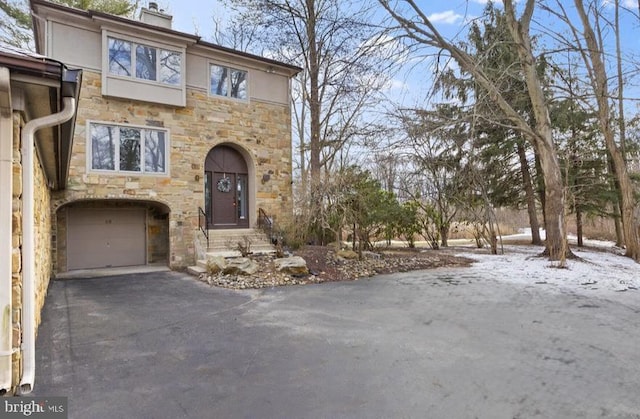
601	266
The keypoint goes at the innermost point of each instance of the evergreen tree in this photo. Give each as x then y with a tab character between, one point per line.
16	25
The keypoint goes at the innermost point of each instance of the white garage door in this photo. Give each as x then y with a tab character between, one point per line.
101	238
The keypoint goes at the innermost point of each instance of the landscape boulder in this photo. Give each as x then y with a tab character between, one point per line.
216	264
240	266
293	265
347	254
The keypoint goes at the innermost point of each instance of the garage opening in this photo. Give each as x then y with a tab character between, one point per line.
106	238
93	235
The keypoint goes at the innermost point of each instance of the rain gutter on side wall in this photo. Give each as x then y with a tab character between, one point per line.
28	241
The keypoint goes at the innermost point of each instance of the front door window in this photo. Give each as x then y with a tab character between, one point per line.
208	196
241	198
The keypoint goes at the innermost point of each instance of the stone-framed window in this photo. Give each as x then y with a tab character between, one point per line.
144	62
228	82
127	148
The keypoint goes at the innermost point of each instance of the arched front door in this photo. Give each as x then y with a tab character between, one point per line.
226	189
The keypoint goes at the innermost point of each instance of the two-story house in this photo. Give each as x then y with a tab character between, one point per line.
169	128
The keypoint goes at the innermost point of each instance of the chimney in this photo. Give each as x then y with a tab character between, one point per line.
153	16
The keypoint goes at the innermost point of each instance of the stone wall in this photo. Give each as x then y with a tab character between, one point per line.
16	252
42	213
157	237
42	236
261	130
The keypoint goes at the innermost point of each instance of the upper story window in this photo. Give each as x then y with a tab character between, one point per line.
132	59
228	82
121	148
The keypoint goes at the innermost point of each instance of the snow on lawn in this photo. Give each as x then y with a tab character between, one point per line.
599	267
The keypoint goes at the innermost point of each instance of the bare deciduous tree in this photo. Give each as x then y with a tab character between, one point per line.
345	59
593	57
417	27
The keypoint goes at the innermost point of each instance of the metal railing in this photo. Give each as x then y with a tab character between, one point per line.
202	216
265	223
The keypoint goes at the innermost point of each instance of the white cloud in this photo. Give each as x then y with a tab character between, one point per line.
484	2
396	84
445	17
629	4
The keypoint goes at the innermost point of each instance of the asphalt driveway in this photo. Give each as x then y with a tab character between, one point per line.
433	344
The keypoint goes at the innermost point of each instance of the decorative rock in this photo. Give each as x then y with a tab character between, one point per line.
371	255
294	265
240	266
335	246
268	273
347	254
216	264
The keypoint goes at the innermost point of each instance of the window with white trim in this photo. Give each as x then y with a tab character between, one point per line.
121	148
144	62
228	82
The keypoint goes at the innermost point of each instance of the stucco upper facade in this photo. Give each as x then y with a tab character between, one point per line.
195	131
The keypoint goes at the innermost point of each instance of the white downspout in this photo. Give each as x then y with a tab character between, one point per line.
6	198
28	239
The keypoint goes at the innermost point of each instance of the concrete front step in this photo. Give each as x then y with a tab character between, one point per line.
201	264
237	234
228	254
196	270
225	242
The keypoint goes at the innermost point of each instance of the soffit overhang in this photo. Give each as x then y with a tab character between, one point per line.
38	85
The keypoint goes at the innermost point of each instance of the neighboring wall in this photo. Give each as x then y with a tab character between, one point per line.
42	204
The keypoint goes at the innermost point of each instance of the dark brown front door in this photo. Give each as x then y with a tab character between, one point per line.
226	189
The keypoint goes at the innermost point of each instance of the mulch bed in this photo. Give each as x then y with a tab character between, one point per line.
325	265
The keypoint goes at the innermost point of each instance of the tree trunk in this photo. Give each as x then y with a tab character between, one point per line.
576	184
314	94
540	190
621	120
529	194
444	235
601	89
315	175
556	241
579	225
313	65
616	206
629	222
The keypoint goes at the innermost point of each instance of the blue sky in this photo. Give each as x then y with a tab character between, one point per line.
450	17
189	15
196	16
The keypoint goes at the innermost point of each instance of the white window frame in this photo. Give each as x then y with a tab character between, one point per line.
134	44
116	170
229	68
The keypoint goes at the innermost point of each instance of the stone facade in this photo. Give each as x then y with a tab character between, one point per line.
259	130
42	219
16	252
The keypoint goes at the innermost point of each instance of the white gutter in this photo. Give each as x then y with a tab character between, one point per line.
28	239
6	198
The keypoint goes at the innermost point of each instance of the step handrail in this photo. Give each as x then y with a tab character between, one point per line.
202	215
266	224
